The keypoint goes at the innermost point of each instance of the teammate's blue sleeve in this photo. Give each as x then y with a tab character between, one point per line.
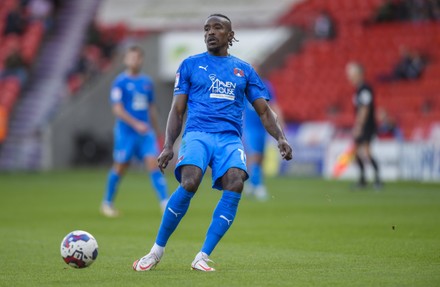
116	93
255	88
182	82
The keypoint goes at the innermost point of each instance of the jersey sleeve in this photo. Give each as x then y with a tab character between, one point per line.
255	88
149	86
116	93
182	81
365	97
270	90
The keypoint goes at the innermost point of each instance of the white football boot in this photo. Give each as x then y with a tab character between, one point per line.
148	262
260	193
248	190
200	263
108	210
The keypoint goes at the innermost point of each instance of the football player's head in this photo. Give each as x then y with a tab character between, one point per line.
218	33
355	73
134	58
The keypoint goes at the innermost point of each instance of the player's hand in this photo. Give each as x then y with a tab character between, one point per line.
164	158
285	149
141	127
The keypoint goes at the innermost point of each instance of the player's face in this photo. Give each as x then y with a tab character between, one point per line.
133	61
217	35
352	75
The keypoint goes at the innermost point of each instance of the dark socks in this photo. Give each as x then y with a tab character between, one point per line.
361	169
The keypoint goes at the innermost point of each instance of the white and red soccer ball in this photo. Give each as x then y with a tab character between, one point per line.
79	249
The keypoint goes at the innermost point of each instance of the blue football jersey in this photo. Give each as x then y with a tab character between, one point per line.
217	88
252	119
135	93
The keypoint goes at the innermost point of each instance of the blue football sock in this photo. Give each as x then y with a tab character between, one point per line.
159	184
112	186
222	219
176	208
256	174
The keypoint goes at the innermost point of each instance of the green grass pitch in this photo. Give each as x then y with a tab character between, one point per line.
311	232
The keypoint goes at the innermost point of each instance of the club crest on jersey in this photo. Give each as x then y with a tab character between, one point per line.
238	72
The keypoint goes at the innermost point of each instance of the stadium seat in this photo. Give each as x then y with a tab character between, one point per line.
316	74
27	44
9	93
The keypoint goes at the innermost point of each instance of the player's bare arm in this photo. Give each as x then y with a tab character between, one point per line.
273	127
154	118
120	112
361	118
173	129
276	109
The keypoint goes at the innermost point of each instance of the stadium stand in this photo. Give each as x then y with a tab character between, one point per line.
22	148
97	53
311	84
20	39
63	62
317	72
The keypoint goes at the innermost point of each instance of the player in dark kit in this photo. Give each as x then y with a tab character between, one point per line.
364	127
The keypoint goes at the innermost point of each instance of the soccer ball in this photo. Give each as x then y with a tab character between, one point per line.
79	249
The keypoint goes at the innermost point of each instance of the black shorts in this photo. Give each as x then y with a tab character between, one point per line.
365	137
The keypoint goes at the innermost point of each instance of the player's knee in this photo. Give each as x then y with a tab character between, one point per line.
120	168
256	158
190	184
234	180
151	164
191	177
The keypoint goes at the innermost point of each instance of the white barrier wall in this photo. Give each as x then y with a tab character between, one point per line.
420	161
387	154
397	160
316	153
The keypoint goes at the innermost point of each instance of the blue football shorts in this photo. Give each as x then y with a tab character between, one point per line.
254	138
132	145
220	151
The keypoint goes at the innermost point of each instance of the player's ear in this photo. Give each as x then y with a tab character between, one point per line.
231	37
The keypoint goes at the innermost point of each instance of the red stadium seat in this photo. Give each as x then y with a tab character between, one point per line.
314	80
10	90
31	41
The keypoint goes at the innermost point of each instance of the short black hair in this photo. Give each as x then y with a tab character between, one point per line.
220	15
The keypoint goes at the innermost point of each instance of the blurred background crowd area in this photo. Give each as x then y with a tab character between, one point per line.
58	58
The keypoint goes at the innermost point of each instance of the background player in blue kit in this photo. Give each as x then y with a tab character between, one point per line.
213	88
136	127
254	137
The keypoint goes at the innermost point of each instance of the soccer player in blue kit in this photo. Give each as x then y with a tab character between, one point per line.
254	138
132	98
212	87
